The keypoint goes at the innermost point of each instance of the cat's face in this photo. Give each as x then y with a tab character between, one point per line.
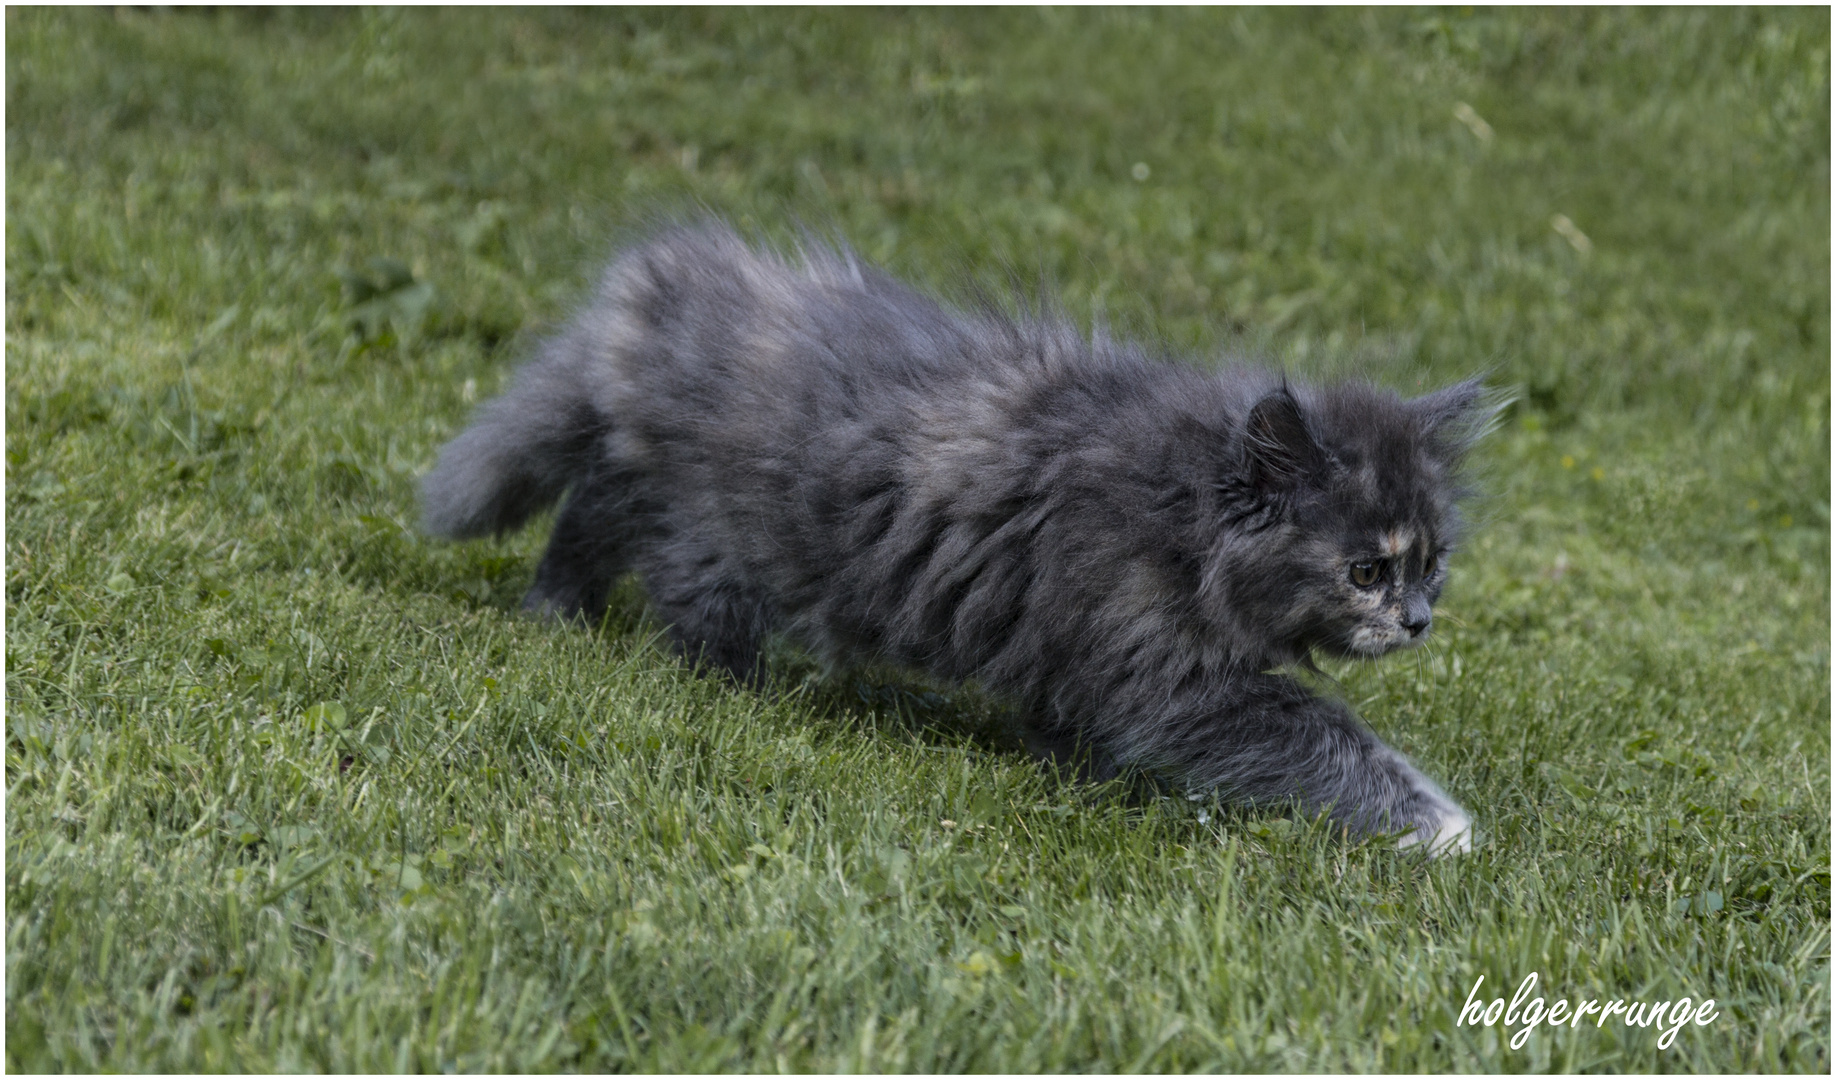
1366	486
1379	592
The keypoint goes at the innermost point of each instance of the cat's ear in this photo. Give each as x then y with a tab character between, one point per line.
1457	416
1279	450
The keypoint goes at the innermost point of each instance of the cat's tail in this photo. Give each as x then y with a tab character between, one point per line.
521	451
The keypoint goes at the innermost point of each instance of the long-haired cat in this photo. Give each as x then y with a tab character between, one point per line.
1123	548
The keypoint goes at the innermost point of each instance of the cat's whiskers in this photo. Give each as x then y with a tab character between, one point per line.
1453	619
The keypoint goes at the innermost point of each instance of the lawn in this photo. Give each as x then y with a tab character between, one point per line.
292	787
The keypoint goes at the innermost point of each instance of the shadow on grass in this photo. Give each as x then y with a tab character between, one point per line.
874	701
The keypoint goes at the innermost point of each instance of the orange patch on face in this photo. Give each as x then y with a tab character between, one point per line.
1395	543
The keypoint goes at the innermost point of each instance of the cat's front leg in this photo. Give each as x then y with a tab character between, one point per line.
1445	829
1266	738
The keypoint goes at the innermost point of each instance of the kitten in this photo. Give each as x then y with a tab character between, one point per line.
1121	547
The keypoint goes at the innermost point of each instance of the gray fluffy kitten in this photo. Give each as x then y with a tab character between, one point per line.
1121	547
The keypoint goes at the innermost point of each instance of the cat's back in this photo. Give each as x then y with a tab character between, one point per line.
699	317
697	327
713	348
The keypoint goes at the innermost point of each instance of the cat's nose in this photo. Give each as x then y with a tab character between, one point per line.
1416	614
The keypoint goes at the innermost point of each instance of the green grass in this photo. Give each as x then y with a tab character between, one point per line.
289	787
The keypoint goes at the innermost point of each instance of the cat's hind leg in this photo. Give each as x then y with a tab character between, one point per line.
713	616
605	518
1062	748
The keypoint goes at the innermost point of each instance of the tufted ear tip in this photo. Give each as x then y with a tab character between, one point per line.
1462	414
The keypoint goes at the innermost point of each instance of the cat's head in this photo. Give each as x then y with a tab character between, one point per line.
1360	492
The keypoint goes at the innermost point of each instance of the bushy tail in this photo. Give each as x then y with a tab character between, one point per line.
521	451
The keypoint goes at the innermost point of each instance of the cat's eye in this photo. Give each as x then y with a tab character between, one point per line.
1432	563
1365	574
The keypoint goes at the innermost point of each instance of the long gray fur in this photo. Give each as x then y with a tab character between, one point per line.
1123	548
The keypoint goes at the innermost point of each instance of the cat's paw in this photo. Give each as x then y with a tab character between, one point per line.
1451	835
561	606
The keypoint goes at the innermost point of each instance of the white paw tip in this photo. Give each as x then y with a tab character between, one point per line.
1453	837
